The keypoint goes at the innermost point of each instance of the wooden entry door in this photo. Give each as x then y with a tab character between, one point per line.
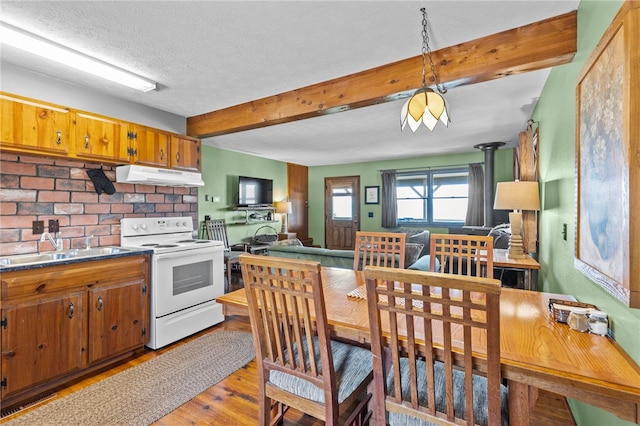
342	211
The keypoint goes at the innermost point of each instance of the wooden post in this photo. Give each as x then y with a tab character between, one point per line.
527	161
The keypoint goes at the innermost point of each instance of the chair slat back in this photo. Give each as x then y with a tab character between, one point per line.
470	255
445	320
217	230
379	249
287	312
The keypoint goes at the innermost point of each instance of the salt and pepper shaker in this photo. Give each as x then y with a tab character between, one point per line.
598	323
578	320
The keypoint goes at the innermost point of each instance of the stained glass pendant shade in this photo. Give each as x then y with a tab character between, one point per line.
426	105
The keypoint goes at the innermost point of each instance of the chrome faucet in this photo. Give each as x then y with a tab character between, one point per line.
87	242
56	243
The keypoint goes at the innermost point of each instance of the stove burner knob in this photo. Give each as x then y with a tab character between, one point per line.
134	227
184	224
143	226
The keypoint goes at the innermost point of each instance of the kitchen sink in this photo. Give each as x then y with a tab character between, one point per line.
42	258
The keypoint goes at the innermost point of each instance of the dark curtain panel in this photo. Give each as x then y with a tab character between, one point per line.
389	199
475	209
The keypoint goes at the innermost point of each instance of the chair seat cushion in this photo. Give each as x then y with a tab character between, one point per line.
479	395
352	365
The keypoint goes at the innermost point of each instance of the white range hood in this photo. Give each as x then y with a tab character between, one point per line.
157	176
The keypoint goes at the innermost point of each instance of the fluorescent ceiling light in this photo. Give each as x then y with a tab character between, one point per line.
32	43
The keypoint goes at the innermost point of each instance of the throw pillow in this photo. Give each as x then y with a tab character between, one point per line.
412	253
421	238
288	242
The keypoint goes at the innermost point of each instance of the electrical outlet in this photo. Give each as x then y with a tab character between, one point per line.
37	227
54	226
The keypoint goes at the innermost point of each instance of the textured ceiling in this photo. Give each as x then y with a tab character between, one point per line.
208	55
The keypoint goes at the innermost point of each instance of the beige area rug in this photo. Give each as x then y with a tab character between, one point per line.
148	391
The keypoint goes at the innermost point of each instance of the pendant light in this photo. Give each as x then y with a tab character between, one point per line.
426	105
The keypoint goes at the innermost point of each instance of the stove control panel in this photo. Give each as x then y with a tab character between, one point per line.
155	225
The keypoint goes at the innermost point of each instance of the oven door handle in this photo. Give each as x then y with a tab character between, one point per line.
186	253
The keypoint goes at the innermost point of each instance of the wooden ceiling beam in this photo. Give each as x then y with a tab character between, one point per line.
532	47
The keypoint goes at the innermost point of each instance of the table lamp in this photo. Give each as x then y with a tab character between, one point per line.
516	196
284	208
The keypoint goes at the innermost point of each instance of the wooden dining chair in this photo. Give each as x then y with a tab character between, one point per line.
470	255
379	249
216	229
299	365
440	333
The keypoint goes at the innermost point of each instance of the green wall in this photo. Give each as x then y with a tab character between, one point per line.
556	115
370	176
220	171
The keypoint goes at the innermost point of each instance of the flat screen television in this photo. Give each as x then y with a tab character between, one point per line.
254	192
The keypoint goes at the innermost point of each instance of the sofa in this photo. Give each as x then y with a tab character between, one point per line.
416	257
326	257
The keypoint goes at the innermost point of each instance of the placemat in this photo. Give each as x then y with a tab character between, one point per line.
361	293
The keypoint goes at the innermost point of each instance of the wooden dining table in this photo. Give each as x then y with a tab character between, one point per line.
536	351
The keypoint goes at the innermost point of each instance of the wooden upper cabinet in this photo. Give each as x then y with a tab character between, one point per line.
33	126
97	137
185	153
144	145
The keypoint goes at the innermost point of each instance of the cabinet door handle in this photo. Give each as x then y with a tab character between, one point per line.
86	141
177	157
71	310
100	303
59	140
161	154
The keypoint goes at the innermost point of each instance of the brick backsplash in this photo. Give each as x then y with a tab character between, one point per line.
41	188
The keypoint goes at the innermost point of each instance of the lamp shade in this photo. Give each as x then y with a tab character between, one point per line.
517	195
284	207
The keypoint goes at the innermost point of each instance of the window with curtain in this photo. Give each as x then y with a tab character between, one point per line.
432	197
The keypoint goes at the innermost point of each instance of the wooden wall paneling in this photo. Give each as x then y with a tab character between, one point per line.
298	193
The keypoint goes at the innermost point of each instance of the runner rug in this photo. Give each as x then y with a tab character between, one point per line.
146	392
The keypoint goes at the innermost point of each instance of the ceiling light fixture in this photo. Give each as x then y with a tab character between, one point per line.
37	45
426	105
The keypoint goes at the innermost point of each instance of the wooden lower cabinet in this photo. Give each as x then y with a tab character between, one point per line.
61	322
43	339
118	318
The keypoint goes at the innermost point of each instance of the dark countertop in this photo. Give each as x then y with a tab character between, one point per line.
72	260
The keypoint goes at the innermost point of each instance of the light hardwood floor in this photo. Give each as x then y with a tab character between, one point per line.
233	401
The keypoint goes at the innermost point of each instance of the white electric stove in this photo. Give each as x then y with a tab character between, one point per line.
186	276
